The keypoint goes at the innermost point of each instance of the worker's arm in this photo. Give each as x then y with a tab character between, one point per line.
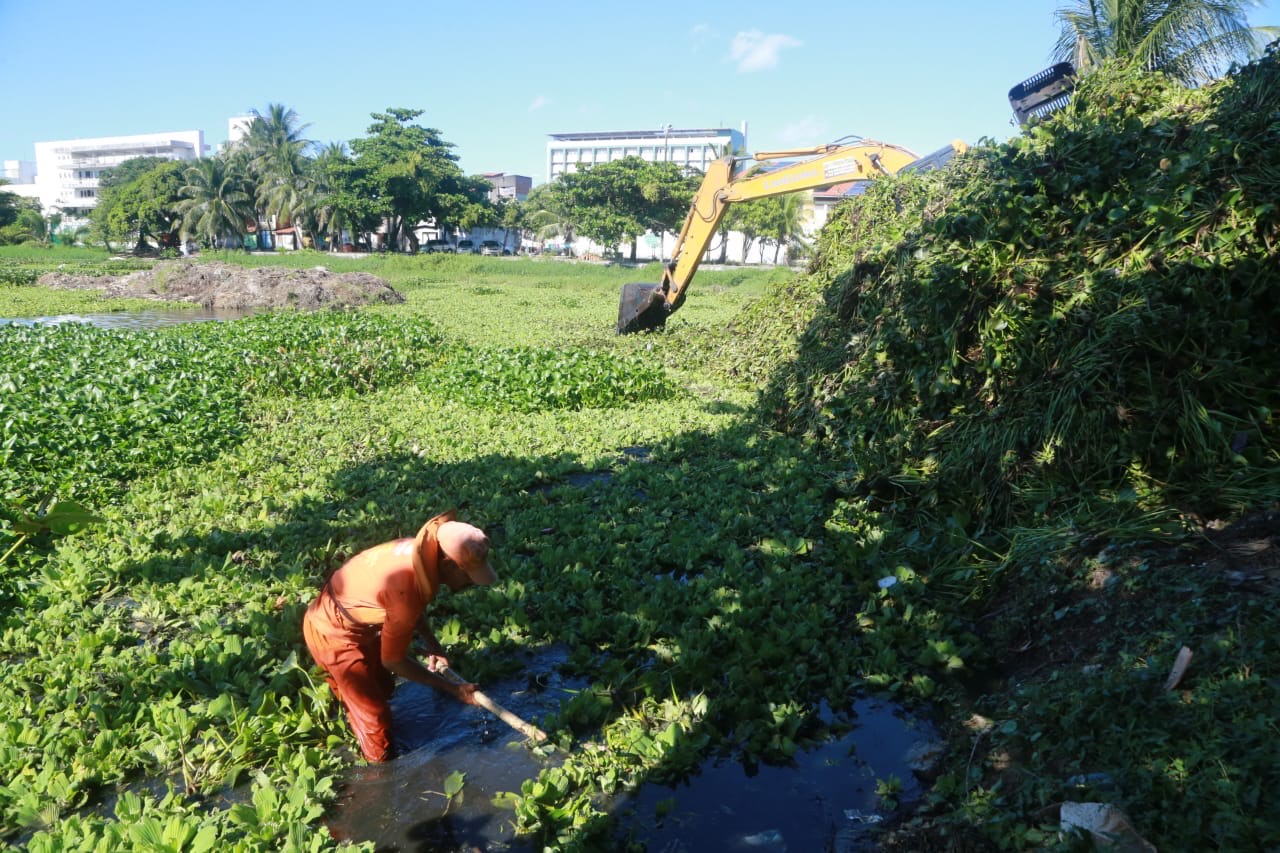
398	656
411	668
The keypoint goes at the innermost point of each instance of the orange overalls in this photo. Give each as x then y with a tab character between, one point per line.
366	614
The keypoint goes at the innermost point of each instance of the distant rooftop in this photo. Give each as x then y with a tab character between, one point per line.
673	133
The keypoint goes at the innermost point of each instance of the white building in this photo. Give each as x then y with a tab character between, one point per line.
20	178
68	171
693	150
18	171
238	128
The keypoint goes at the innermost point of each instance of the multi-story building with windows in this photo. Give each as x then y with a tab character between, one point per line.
68	171
693	150
509	187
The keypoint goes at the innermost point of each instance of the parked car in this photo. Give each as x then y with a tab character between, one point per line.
490	247
467	247
432	246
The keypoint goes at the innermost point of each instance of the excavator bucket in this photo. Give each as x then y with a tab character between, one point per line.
642	307
1043	93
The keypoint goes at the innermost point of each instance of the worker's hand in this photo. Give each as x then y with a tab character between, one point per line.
465	693
437	663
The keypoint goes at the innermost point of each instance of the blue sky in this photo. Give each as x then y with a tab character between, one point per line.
495	78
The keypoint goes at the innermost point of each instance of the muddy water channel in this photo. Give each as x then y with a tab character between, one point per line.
825	801
136	320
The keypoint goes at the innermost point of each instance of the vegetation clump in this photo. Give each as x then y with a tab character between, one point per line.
1042	380
1090	310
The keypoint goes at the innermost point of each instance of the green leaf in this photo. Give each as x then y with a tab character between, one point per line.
453	783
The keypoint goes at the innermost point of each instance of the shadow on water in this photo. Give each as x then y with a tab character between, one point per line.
138	320
826	800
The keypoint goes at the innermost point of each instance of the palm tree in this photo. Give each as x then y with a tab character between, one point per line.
71	235
789	223
278	162
329	207
216	201
1193	41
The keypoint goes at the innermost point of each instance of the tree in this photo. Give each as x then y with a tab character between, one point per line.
216	201
547	215
139	200
8	205
278	164
16	223
786	221
752	220
618	201
336	208
1191	40
410	175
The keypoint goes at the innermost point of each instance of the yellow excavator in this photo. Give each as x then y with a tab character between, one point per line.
729	180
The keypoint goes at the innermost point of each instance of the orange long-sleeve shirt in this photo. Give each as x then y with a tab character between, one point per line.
378	587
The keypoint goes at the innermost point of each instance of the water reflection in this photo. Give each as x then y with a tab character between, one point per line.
400	805
138	320
826	800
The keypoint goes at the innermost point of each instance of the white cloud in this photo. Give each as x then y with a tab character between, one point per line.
754	51
806	133
538	103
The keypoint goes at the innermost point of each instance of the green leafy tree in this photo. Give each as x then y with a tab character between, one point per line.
20	219
9	203
72	235
411	175
338	207
752	219
139	201
786	222
611	203
547	215
217	201
1193	41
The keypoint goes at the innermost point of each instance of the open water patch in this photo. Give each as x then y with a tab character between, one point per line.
826	800
400	805
137	320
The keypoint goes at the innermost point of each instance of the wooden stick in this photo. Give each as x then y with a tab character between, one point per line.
528	730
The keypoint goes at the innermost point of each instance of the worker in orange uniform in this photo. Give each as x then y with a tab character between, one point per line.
360	627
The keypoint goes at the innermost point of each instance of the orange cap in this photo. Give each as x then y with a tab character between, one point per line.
468	546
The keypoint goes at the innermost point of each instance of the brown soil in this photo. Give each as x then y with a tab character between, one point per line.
217	285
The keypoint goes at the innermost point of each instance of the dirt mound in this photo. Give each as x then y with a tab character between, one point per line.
216	285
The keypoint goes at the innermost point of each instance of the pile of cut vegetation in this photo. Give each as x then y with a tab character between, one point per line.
1091	310
1044	379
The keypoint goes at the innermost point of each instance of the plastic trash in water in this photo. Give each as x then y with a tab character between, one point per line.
886	582
862	817
770	839
1094	780
1108	826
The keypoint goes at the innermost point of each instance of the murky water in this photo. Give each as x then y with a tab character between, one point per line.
401	805
827	801
137	320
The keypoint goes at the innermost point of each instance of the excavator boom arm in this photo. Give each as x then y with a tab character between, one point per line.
646	306
719	190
